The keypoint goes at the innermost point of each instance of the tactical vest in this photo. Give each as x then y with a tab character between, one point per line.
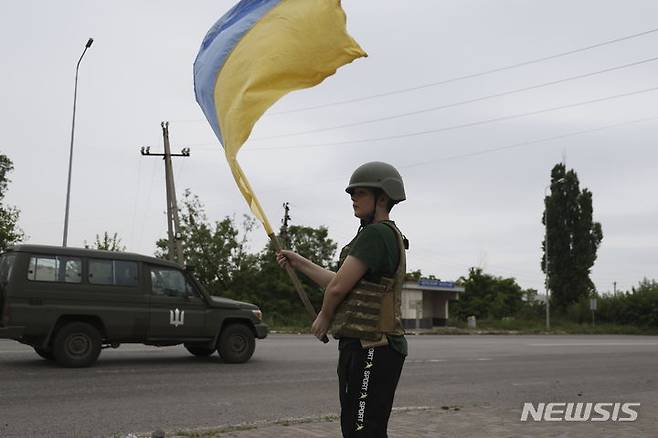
371	310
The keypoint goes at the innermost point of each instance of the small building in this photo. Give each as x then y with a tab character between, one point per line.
425	302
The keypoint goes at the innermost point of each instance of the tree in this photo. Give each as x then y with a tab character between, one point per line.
215	250
108	243
573	239
10	233
417	275
276	287
487	296
219	253
413	275
639	307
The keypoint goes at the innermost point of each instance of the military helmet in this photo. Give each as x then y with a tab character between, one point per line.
378	175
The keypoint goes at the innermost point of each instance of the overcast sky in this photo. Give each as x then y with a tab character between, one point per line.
463	208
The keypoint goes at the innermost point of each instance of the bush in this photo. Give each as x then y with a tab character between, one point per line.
638	307
531	311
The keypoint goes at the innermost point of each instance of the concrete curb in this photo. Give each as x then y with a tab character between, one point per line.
244	429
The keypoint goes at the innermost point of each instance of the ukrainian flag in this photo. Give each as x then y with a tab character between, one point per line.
258	52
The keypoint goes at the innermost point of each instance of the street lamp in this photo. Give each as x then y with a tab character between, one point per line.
68	186
546	289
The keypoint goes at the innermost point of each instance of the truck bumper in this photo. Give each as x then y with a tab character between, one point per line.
11	332
261	330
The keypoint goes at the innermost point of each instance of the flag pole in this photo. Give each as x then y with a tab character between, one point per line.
254	204
298	285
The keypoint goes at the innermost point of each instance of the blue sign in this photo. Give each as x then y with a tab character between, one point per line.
436	283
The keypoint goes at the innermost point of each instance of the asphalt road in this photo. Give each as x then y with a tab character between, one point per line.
138	389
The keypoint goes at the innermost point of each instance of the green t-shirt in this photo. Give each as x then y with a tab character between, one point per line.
377	246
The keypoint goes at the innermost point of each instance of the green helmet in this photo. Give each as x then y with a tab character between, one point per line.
378	175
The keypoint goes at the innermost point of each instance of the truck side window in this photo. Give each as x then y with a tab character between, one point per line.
55	268
100	272
170	282
125	273
112	272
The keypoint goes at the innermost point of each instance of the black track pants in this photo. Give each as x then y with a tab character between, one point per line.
367	379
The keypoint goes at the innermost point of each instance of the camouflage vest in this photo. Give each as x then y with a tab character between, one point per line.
371	310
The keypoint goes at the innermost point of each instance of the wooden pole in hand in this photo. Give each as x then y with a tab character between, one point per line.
298	285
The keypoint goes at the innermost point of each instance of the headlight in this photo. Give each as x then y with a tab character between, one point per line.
258	314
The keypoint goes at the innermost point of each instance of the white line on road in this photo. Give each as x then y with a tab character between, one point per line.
483	358
597	344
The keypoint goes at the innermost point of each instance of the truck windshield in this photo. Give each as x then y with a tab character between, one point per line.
6	266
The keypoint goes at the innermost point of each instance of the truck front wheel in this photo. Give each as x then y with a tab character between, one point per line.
236	343
77	345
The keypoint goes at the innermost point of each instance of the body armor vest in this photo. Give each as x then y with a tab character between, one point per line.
372	310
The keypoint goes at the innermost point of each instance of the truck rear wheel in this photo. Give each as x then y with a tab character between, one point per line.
45	353
236	343
199	351
77	345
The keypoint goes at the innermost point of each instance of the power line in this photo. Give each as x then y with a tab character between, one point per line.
472	75
454	79
463	125
495	149
132	227
463	102
530	142
146	206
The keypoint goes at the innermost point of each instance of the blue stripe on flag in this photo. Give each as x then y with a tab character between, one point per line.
218	43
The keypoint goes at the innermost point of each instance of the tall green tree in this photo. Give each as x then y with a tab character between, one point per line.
10	233
573	239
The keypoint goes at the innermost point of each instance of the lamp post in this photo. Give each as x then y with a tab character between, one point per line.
546	288
68	186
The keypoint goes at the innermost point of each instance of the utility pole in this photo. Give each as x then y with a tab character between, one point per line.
614	287
284	229
174	243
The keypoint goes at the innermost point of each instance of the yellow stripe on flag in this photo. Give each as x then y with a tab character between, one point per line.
296	45
248	193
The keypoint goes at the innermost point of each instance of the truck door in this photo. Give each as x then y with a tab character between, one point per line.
177	311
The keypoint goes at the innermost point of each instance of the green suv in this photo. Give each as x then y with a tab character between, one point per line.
69	303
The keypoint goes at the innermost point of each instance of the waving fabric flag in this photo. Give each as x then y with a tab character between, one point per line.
256	53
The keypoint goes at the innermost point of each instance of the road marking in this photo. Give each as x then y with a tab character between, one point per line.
483	358
529	383
426	361
597	344
411	408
